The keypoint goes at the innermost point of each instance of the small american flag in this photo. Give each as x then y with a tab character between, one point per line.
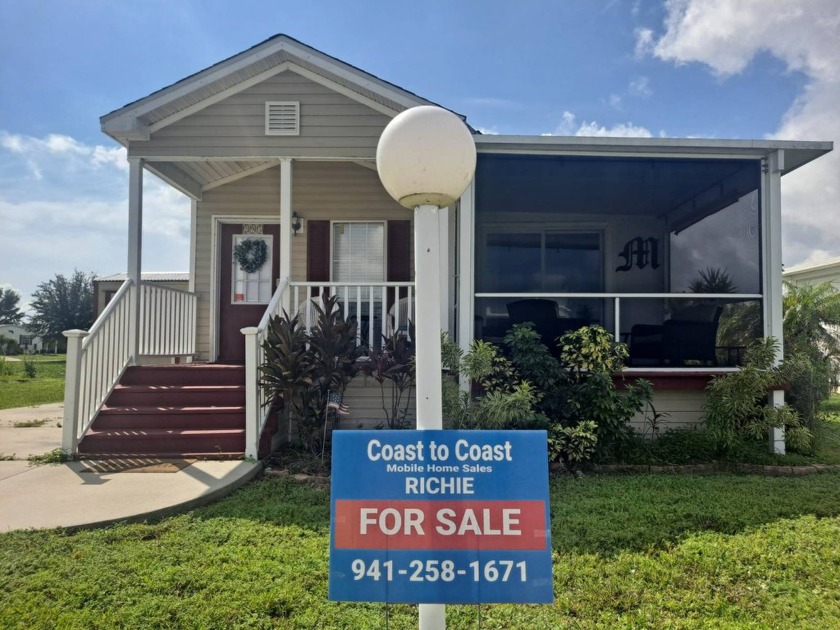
335	402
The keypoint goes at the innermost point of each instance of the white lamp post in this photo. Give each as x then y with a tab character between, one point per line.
426	159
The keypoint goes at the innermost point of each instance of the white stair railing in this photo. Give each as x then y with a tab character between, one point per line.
256	408
96	359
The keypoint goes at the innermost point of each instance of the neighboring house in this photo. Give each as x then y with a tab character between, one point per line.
827	270
106	287
14	337
276	149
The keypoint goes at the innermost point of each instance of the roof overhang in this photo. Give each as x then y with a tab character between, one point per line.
796	153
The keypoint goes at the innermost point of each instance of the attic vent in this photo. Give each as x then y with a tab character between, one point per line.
282	118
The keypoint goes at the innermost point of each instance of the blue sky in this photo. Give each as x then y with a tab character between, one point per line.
705	68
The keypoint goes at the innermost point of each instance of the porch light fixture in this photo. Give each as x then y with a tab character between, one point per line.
426	160
297	222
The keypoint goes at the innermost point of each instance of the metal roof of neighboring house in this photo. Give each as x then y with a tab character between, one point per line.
827	266
149	276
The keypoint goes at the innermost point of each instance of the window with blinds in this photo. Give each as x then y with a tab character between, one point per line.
358	252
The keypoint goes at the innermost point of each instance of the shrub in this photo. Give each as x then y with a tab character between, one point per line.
30	369
737	407
497	398
578	386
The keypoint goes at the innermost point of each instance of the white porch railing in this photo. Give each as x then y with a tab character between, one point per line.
256	408
167	320
380	308
617	299
96	359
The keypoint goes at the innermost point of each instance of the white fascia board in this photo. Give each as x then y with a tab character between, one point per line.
317	78
356	76
828	263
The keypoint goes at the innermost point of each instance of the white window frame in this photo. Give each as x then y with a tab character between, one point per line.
239	277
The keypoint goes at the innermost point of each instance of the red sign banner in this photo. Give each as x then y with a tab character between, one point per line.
469	525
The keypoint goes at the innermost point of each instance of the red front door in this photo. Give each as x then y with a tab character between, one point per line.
244	291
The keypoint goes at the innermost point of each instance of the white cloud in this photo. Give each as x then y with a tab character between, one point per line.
805	35
640	87
64	205
569	127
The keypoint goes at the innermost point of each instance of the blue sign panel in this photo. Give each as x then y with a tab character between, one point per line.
447	517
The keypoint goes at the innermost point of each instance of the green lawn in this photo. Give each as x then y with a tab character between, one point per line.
17	390
647	551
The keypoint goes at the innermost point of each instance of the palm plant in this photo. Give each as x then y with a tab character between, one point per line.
713	280
812	342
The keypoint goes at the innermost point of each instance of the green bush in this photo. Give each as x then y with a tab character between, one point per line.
30	370
737	408
578	386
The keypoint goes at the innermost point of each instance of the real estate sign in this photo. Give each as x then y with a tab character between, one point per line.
442	517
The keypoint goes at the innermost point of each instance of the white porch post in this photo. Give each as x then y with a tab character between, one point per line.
135	249
70	423
772	232
252	406
466	272
286	226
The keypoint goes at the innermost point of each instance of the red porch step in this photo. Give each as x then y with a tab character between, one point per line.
177	411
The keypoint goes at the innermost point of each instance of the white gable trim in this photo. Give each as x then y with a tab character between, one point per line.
317	78
283	67
212	100
125	119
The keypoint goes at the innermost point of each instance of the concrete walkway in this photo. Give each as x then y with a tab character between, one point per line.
74	494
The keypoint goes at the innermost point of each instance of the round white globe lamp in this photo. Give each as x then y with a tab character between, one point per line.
426	160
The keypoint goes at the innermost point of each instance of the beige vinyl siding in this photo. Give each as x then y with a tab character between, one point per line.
331	125
338	191
684	409
364	398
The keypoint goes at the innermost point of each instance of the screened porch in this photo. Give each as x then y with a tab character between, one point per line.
665	253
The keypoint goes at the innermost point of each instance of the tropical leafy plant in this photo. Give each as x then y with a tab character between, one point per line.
393	367
713	280
812	343
302	368
578	386
497	398
736	406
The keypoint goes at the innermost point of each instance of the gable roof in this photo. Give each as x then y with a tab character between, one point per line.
138	119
